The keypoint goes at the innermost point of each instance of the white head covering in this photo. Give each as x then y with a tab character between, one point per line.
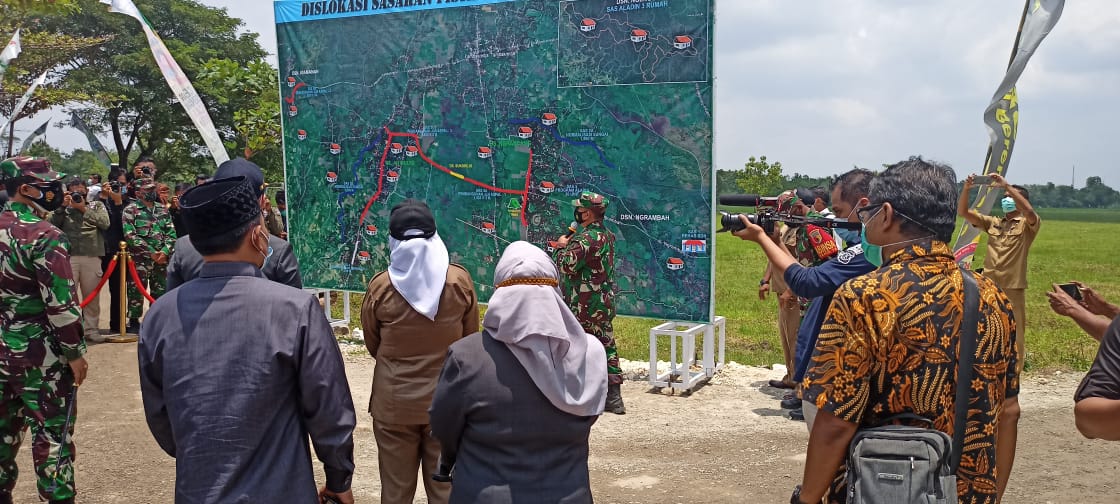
568	365
418	270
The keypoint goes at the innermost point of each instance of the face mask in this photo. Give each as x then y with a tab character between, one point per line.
151	196
268	249
874	253
1008	205
577	215
50	196
850	236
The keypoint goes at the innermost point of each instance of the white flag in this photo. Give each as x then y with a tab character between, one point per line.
23	101
178	81
8	54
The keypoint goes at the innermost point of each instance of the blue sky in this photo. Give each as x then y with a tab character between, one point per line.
822	85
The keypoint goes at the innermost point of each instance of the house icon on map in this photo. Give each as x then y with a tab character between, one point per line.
547	187
291	82
292	111
682	42
524	132
587	25
694	246
396	148
392	176
487	227
548	119
675	263
332	177
371	230
639	36
485	152
411	151
335	148
363	257
301	134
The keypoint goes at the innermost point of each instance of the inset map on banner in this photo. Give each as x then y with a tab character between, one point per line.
497	114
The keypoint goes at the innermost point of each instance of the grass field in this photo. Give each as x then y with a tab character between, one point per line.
1073	244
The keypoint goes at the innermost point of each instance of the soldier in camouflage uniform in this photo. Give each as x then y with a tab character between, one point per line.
41	344
586	264
150	235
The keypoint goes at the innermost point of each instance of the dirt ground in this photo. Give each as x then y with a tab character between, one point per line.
726	442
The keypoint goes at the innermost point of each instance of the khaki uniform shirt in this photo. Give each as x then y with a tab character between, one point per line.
409	348
83	229
1009	242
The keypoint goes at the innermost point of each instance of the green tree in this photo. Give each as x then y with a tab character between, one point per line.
129	96
249	95
760	176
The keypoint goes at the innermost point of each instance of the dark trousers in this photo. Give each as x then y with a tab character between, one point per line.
114	294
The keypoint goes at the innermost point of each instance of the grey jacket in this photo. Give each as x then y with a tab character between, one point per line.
83	230
186	263
509	444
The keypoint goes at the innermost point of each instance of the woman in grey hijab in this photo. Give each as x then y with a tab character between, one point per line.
514	405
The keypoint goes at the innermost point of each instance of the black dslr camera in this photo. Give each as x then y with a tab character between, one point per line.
765	216
76	197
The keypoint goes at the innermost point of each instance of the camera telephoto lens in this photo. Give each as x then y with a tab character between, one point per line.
76	197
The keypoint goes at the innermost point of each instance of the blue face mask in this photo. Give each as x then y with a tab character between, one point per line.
1008	205
266	256
850	236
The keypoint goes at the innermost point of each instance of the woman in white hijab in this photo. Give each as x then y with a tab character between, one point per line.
514	405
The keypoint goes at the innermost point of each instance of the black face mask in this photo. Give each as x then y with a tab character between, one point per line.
50	195
151	196
577	215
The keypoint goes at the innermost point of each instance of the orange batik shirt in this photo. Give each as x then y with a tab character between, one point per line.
889	345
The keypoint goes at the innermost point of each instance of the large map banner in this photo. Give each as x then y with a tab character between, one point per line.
497	113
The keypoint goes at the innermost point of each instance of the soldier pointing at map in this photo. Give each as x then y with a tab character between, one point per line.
586	263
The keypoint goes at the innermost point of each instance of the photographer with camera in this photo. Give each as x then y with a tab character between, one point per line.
151	238
1097	411
114	196
818	281
82	221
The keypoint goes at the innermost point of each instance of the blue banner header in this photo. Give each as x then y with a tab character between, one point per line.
293	11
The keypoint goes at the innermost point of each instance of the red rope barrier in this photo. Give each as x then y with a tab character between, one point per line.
104	278
139	284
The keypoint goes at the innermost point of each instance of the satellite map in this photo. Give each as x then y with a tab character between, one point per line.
497	114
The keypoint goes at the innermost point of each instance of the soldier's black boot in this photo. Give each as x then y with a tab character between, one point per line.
614	399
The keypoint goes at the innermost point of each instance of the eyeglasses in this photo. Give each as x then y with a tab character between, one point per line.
865	213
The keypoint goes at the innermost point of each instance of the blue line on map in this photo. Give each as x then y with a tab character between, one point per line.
341	218
569	141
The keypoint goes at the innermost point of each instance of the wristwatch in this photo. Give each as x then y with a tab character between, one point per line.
763	282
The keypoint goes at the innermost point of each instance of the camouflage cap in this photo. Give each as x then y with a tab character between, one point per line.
24	166
588	199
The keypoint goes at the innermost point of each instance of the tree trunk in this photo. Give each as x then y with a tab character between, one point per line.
11	137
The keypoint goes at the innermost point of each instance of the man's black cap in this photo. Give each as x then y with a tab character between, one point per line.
218	207
241	167
411	219
807	196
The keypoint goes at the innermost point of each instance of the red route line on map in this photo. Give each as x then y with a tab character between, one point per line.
291	99
416	138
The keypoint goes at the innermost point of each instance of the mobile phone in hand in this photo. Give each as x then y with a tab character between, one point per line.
1073	290
982	180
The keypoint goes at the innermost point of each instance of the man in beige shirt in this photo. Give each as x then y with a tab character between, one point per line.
1009	242
411	314
789	313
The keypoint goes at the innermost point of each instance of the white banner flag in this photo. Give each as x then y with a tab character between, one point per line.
23	101
8	54
178	81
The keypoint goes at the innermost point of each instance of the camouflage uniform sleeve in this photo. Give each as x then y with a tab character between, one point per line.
571	259
128	226
167	234
57	217
56	286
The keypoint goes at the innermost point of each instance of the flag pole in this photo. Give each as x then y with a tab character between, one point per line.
1010	60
